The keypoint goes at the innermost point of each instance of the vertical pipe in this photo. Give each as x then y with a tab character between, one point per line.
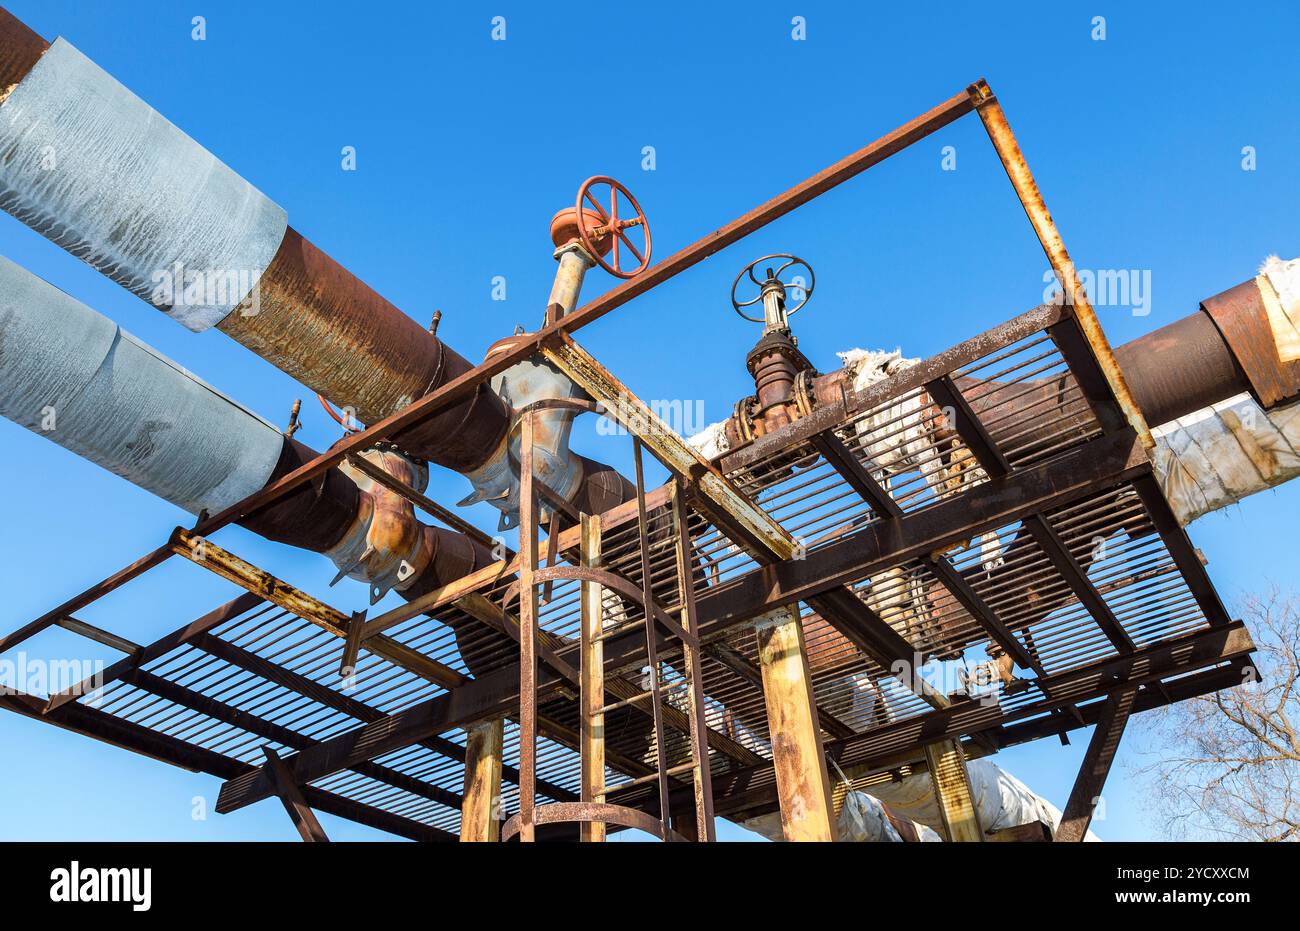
952	791
802	783
480	810
592	674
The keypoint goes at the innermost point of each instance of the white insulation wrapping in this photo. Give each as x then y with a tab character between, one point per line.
1001	800
98	171
1216	456
863	820
75	377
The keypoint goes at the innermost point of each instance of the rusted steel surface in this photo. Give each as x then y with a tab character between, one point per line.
1086	792
952	791
465	388
591	690
1180	368
300	813
1063	480
1242	318
91	722
214	558
187	634
20	49
325	327
603	812
312	517
753	790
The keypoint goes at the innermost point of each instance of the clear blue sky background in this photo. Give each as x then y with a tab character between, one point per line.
466	147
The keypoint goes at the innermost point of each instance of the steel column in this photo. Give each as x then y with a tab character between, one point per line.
807	811
480	812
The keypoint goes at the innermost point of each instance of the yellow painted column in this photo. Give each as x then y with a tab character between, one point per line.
480	810
802	784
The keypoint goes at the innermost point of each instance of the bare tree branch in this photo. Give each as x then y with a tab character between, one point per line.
1227	765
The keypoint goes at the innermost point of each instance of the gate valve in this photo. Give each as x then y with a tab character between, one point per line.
778	284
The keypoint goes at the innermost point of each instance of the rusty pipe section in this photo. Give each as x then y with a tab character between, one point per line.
1243	340
96	170
325	327
590	486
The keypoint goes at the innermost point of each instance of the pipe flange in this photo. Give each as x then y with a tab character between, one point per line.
805	398
743	416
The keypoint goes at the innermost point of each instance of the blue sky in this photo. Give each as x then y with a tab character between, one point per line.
465	147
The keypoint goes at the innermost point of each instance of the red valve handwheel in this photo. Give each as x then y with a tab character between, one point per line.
610	224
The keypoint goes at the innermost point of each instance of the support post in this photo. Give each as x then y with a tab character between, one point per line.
304	819
527	634
701	772
480	810
592	674
807	813
952	792
1096	766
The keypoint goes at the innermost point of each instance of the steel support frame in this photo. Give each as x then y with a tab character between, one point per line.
1097	464
977	97
461	388
593	685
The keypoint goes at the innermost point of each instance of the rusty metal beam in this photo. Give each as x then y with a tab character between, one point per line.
1031	199
300	813
799	761
1086	792
1067	478
855	474
592	687
91	722
464	386
1181	549
254	724
893	744
995	465
332	698
726	506
968	598
1075	576
203	552
177	638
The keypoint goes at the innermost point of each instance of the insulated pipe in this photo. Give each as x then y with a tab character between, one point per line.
74	376
95	169
150	208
